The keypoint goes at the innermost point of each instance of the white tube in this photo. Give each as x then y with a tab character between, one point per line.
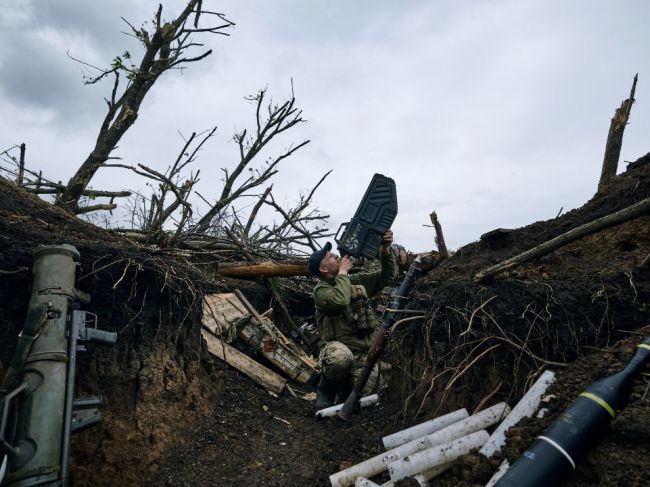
422	429
424	477
503	468
419	478
332	410
367	468
379	463
437	455
464	427
364	482
432	472
524	409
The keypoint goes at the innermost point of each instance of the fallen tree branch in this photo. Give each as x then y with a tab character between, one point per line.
86	192
610	220
265	269
285	312
276	295
88	209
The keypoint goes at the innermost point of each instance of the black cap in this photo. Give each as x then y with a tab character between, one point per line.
316	257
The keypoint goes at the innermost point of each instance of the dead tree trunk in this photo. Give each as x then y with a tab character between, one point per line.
610	220
265	269
615	139
440	238
21	165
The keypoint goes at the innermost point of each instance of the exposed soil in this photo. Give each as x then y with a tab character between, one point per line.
253	438
174	416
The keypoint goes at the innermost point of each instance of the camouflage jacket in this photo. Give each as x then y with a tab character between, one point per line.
342	309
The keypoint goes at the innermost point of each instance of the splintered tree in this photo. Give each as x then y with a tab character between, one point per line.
167	45
615	138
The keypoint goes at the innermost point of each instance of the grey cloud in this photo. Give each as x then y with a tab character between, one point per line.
493	113
32	73
97	21
39	73
36	70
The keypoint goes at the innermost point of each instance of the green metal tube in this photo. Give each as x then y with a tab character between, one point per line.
40	418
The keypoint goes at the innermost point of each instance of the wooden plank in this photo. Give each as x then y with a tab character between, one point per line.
243	363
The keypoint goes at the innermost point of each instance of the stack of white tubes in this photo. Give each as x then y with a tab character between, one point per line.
525	408
442	441
426	450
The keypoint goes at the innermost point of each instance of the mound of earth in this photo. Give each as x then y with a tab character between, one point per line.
619	459
174	416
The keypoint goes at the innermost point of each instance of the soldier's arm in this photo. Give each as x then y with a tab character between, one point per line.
376	281
333	298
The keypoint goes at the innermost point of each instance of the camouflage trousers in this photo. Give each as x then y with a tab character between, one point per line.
337	362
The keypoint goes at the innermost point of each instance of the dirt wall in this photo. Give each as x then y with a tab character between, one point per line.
156	379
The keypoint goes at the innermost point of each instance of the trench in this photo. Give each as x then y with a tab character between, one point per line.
174	415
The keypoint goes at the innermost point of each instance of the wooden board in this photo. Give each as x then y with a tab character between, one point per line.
260	374
221	310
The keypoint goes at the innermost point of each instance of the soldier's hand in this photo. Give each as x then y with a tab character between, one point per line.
345	264
388	238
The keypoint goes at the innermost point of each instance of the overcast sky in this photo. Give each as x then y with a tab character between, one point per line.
493	113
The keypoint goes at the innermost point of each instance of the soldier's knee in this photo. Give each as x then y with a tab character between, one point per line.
336	361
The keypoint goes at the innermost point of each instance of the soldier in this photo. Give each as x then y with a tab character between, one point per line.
345	320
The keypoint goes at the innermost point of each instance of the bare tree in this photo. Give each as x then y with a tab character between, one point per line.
291	232
172	184
271	121
166	46
295	229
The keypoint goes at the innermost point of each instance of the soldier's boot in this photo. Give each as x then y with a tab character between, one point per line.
344	390
325	393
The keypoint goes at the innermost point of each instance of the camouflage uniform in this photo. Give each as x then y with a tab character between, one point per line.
346	323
